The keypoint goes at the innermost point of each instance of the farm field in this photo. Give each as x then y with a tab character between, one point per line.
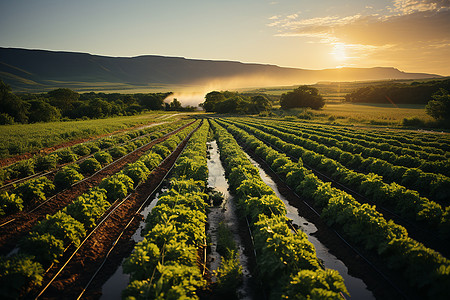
22	138
228	207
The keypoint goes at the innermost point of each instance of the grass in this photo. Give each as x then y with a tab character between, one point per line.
363	114
22	138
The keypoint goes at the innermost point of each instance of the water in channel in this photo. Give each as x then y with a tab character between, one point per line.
355	286
113	287
225	213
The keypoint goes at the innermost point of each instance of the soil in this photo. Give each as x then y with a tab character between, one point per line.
74	277
10	160
23	221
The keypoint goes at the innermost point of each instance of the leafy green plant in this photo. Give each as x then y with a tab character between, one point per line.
35	189
10	203
90	166
66	177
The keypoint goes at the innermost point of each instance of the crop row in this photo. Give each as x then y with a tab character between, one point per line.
423	268
49	238
435	186
421	157
433	143
42	163
37	190
164	265
405	202
286	261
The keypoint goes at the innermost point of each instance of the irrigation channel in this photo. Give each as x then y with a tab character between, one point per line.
355	286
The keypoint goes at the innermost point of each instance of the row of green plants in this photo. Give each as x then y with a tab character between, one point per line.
404	141
368	151
49	238
164	265
433	143
42	163
37	190
424	269
434	186
406	203
378	149
286	262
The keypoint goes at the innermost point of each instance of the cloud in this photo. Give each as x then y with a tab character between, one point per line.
418	27
412	6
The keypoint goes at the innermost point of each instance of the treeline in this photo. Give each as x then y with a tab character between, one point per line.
65	103
234	102
399	93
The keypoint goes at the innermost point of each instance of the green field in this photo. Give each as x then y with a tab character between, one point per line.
21	138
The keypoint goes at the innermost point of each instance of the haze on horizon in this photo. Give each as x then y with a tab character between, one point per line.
411	35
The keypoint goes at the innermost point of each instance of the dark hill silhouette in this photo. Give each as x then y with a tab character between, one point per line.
40	69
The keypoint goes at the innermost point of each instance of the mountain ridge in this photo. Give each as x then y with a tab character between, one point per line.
30	69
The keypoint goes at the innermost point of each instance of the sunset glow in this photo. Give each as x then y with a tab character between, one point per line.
411	35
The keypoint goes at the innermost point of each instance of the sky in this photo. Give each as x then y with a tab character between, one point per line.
411	35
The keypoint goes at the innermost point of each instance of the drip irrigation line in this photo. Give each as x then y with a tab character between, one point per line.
163	138
150	196
385	277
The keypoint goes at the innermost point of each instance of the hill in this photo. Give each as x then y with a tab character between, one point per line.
38	70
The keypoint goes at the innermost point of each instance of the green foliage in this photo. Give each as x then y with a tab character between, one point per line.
303	96
66	156
17	272
439	106
35	189
137	171
62	227
90	166
103	158
44	163
151	160
319	284
43	246
117	151
66	177
88	207
10	203
229	275
117	186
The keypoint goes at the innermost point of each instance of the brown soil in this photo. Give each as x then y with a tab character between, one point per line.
70	283
22	222
10	160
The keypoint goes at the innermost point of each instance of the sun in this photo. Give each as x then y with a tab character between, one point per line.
339	52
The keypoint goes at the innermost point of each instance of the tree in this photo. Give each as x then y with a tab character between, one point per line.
11	104
63	98
260	103
41	111
439	106
303	96
211	99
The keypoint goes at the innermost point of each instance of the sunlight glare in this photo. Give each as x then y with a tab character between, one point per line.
339	52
